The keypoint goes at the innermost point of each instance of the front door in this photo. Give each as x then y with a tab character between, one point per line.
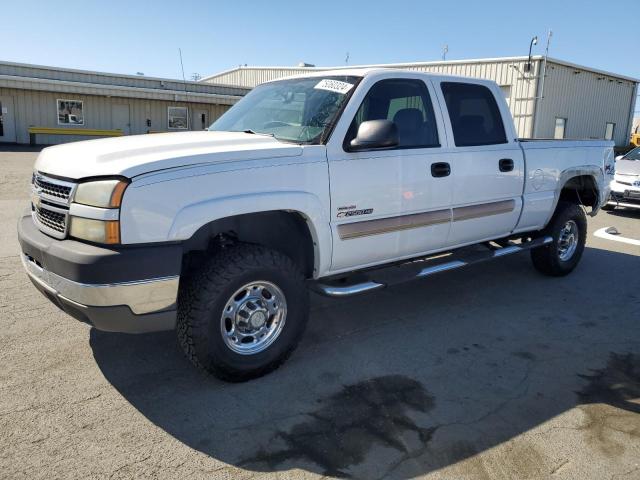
386	204
200	120
120	118
7	122
487	164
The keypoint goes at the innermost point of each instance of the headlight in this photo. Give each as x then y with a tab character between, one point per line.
103	226
101	193
99	231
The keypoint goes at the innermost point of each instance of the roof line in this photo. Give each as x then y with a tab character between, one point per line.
108	74
438	62
102	86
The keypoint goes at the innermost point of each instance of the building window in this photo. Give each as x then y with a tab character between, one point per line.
561	126
178	118
608	130
70	112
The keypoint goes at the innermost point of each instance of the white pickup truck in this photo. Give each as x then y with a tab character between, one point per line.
343	182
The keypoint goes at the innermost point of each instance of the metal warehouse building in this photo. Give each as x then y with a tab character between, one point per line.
551	99
48	105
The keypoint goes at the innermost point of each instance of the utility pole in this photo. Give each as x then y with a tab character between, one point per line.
445	50
346	59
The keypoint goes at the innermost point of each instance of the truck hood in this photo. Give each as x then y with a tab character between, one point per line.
628	167
138	154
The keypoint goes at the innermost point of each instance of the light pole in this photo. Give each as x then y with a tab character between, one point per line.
534	41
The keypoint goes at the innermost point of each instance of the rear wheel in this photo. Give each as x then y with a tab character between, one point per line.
243	313
568	228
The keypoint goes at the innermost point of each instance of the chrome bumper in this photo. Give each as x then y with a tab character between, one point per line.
141	296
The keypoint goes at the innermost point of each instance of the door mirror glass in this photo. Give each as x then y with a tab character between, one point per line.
375	134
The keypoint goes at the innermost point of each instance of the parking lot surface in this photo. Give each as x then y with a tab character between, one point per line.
493	372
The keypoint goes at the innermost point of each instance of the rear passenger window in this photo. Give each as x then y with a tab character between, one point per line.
406	103
475	117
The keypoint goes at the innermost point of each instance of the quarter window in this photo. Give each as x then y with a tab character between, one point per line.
406	103
560	129
474	114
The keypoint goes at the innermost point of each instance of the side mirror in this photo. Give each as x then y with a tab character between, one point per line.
375	134
619	157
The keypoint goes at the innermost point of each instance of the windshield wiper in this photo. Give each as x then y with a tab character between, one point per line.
253	132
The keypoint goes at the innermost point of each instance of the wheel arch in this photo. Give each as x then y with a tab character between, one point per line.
291	222
288	232
581	186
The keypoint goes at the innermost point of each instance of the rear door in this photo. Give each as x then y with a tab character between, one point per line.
487	164
385	204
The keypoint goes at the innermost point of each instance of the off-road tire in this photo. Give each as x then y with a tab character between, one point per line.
202	298
547	259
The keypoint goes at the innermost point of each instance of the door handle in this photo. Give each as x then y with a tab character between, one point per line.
505	165
440	169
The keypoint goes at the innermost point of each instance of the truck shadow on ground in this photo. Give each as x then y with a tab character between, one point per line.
416	378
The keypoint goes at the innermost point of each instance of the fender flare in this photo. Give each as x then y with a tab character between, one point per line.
194	216
579	171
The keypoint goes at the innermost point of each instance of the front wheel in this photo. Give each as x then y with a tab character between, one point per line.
568	228
243	313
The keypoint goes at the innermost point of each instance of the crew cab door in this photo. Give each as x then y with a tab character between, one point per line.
487	164
385	203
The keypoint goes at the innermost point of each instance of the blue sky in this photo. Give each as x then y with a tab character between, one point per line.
140	36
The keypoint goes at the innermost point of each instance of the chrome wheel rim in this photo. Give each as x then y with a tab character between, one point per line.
568	240
253	317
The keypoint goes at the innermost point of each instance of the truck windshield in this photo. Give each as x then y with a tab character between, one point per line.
300	110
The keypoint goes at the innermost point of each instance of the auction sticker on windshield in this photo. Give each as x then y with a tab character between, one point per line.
334	86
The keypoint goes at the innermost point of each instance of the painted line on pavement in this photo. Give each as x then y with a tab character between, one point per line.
602	233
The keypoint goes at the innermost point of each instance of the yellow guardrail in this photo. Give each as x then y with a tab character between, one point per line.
33	131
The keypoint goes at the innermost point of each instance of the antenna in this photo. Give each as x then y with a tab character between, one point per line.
184	81
445	50
346	59
549	35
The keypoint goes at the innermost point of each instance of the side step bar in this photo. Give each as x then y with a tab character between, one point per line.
415	269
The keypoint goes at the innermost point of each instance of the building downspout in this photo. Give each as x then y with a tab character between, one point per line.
634	96
540	86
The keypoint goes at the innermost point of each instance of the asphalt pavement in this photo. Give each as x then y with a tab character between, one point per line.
489	372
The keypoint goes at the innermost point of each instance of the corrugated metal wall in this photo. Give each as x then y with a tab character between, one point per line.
588	100
39	109
252	76
509	74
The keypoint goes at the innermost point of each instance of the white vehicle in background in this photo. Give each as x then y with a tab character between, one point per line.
322	181
625	186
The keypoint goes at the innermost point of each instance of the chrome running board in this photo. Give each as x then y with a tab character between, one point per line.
369	281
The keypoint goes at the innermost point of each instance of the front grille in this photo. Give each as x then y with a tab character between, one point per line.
50	204
53	220
59	191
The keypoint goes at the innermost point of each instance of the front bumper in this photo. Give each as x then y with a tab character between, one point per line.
624	195
130	290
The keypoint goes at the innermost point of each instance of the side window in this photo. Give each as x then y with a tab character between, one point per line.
475	117
406	103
